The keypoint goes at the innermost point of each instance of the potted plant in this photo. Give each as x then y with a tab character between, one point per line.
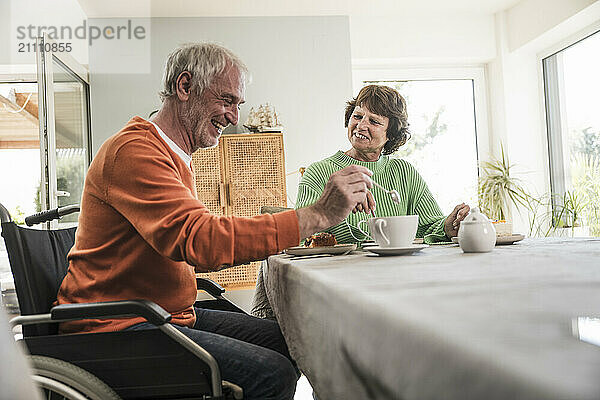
568	214
585	174
499	190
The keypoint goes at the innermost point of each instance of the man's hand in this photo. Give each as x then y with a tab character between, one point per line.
452	222
345	191
367	207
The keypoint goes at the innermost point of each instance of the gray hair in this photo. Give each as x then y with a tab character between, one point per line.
203	61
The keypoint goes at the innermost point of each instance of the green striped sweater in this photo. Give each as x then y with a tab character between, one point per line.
415	197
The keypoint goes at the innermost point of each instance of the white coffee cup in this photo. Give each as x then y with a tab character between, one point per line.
395	232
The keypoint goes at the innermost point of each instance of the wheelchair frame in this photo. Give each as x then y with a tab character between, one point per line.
152	312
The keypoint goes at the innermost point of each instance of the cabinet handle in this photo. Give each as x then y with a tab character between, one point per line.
228	192
222	198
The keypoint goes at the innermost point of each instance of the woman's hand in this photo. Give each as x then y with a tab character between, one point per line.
452	222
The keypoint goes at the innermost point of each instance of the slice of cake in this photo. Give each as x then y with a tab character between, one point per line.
503	228
320	239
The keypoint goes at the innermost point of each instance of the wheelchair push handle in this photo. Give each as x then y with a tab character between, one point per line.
49	215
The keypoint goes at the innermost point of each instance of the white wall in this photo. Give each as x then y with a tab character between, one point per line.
299	64
530	19
414	37
38	13
517	115
4	32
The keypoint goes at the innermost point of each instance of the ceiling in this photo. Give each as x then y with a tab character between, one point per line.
212	8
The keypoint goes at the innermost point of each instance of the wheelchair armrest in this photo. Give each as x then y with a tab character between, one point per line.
153	313
210	287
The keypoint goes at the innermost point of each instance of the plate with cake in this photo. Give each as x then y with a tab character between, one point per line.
504	234
320	243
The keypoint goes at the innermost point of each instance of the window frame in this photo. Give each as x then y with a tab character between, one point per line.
476	73
552	84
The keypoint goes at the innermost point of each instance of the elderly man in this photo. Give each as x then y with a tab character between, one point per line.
142	232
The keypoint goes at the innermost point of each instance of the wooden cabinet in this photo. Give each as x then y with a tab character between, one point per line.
241	174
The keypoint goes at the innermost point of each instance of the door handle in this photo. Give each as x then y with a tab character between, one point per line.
62	193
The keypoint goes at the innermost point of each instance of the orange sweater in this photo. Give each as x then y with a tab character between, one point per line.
141	228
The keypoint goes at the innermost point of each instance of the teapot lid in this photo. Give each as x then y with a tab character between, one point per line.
476	217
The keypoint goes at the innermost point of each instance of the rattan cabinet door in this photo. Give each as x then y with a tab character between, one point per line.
239	176
206	166
254	172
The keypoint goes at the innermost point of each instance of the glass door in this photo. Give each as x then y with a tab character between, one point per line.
63	88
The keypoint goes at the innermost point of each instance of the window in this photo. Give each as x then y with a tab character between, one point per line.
443	123
19	148
44	133
572	84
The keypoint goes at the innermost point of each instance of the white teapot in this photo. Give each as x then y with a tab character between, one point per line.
476	233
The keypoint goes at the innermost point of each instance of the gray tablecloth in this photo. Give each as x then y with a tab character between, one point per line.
441	324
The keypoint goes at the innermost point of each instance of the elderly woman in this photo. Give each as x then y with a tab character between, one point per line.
377	126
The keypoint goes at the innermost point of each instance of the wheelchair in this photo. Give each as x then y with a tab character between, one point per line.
157	363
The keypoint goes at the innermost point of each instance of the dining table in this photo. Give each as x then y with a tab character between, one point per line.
519	322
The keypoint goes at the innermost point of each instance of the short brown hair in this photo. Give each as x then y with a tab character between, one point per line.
387	102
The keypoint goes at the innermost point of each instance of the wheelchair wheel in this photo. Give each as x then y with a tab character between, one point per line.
60	380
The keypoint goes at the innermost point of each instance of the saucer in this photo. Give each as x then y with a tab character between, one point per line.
309	251
371	243
500	240
396	251
515	237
